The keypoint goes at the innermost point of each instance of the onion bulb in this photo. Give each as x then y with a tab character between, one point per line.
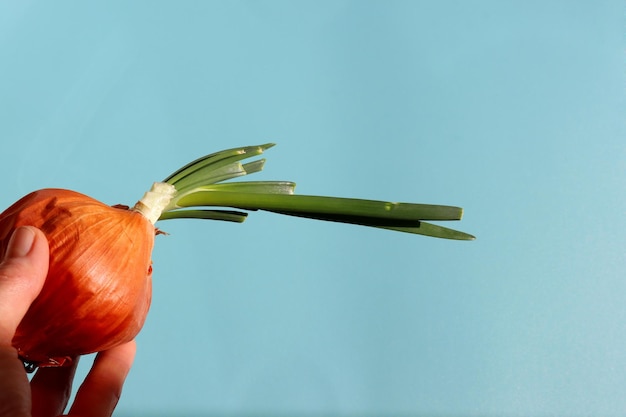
99	284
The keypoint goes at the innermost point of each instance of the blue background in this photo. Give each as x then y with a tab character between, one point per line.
513	110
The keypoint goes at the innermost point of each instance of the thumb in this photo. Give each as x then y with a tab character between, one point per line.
22	274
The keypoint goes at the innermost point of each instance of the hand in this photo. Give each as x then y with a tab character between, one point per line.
22	274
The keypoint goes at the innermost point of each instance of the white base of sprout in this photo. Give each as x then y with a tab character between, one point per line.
154	201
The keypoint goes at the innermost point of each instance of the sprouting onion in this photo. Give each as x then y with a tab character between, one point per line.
98	289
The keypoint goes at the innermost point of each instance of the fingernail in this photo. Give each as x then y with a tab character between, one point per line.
21	242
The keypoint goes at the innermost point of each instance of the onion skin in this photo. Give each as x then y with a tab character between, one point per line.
99	284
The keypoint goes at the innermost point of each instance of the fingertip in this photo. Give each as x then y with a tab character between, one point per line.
21	242
39	249
122	355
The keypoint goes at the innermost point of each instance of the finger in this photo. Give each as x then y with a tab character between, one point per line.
14	391
51	389
22	274
100	392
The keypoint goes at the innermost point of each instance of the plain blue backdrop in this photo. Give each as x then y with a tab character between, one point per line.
513	110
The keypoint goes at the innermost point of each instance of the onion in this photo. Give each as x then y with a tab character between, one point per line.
98	289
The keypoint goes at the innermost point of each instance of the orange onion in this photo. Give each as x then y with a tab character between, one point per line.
98	289
99	283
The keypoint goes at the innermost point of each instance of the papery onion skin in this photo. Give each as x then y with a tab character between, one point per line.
99	284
